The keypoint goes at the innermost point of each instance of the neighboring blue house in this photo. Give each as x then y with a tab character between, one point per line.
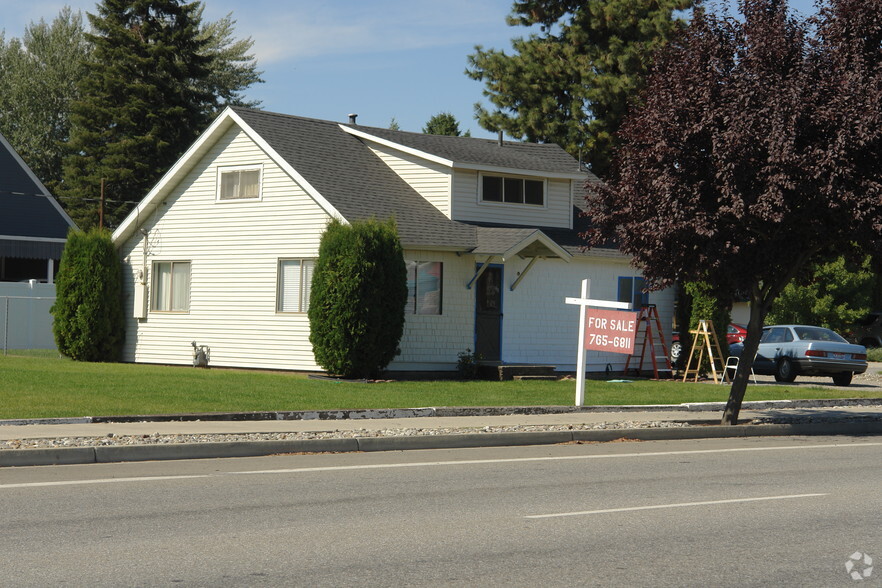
33	226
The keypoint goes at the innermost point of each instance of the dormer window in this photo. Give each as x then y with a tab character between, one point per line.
512	190
239	183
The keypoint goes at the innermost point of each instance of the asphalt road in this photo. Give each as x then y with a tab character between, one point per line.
728	512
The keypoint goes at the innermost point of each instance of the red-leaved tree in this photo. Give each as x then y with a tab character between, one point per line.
756	145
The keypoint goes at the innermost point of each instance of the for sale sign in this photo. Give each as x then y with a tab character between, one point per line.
610	330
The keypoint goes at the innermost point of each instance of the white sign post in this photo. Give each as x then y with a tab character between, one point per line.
583	303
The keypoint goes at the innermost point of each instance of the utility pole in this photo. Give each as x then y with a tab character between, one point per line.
101	207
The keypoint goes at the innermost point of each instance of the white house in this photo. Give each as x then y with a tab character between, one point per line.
221	250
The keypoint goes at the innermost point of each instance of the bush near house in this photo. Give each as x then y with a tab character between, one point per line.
88	313
359	291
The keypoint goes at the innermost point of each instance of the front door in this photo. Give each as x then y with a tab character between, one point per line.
488	314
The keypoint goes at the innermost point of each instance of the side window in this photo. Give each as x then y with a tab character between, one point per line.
631	290
294	285
171	286
239	183
424	287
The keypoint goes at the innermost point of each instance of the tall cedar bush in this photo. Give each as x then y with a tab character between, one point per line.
88	313
359	290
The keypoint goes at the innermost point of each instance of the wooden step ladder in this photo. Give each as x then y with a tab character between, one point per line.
705	338
648	316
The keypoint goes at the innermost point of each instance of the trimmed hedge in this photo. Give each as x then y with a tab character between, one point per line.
359	291
88	313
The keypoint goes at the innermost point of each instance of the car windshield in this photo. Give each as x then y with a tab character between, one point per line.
817	334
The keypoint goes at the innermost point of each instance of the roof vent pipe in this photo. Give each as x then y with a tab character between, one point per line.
352	118
500	138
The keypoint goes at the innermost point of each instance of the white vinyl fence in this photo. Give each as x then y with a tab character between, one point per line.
25	320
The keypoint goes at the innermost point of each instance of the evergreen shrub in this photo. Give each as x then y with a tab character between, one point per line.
88	314
359	291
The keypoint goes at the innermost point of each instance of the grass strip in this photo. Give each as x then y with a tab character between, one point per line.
40	387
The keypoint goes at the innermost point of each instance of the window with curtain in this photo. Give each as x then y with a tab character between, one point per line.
295	281
239	184
424	287
171	286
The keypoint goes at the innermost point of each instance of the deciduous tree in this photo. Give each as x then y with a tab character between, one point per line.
758	146
38	81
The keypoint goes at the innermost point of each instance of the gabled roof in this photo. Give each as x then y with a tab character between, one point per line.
354	180
332	162
32	223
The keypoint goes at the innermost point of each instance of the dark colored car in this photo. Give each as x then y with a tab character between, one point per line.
868	330
735	333
786	351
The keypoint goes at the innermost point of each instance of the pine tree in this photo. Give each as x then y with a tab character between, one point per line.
444	123
570	83
141	106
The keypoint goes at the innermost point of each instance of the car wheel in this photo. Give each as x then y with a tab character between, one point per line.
676	348
843	379
786	372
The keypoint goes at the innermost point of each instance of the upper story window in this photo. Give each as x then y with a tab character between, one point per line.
239	183
511	190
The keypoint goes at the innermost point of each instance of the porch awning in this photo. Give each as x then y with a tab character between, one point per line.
506	243
31	249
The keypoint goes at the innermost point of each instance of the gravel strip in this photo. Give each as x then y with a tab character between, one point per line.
158	439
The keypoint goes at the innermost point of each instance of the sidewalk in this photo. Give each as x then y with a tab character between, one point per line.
86	440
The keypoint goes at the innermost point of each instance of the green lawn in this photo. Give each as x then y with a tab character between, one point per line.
32	387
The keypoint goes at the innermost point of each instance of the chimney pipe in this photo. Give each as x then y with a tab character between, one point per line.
500	138
352	118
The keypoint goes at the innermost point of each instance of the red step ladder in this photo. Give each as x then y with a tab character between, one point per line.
648	316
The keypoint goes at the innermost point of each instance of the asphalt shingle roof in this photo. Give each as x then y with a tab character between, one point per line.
541	157
354	180
359	185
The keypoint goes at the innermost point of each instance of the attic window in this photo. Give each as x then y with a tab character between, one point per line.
241	183
510	190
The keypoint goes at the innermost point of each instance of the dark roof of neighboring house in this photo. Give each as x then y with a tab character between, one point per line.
27	211
14	177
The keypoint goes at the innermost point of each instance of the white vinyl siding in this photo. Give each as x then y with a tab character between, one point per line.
431	180
295	284
468	204
235	253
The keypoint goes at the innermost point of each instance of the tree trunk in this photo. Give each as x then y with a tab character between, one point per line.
745	362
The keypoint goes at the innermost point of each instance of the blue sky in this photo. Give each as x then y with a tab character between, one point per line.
378	58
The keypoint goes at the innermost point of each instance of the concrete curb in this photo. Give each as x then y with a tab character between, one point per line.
442	411
120	453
